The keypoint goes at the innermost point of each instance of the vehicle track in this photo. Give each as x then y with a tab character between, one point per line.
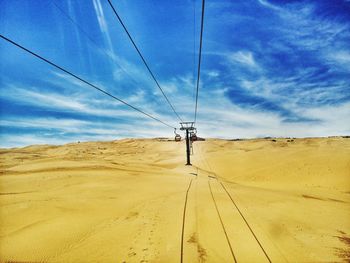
245	220
183	222
213	175
222	223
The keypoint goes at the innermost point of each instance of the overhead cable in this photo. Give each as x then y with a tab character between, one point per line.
143	59
92	40
84	81
199	60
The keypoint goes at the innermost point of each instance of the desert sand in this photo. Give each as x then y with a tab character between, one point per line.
134	200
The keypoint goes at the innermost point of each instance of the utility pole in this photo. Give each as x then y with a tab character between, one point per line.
188	127
188	148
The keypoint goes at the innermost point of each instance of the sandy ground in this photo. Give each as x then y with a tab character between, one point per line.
135	201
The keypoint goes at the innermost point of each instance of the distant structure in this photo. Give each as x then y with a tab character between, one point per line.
190	134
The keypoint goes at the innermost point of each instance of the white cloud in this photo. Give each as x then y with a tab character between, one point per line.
233	122
13	140
301	27
332	115
68	125
217	117
213	73
246	58
130	71
339	58
59	131
52	100
269	5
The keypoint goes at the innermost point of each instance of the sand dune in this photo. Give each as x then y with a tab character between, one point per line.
263	200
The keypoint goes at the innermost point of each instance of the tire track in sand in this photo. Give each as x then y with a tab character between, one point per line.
212	176
183	222
222	223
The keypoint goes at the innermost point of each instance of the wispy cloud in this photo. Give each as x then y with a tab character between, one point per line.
244	58
56	101
339	58
265	3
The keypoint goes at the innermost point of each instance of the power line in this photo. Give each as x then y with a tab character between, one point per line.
144	61
73	21
199	60
82	80
194	49
92	40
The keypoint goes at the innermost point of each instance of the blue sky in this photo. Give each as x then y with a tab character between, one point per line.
269	68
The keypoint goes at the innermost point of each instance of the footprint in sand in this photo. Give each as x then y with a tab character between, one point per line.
132	254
